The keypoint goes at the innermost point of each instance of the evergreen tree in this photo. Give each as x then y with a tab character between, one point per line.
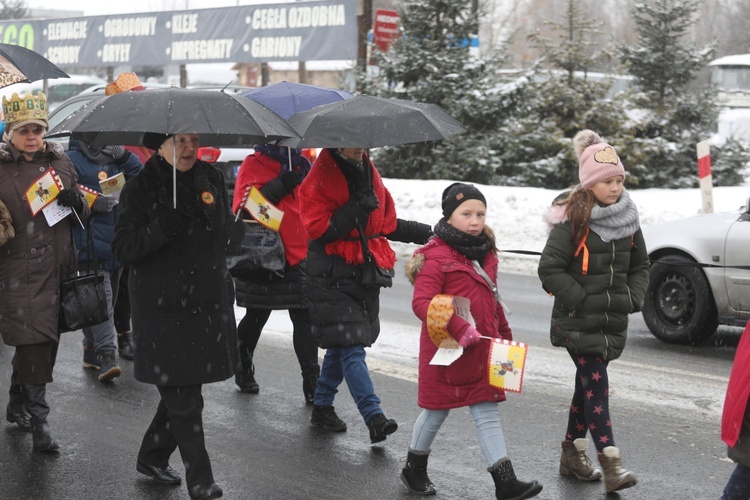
560	100
673	118
431	62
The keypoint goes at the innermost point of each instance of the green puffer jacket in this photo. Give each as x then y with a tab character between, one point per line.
590	314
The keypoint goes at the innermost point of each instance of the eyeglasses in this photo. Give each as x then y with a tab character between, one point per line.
36	130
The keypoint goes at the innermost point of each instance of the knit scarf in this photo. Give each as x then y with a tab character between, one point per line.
470	246
615	221
281	155
101	156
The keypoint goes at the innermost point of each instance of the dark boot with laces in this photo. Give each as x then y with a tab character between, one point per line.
108	365
325	417
507	486
414	475
380	427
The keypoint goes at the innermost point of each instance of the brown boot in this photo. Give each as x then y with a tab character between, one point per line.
616	477
574	461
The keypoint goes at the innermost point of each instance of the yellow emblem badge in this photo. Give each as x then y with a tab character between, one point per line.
207	198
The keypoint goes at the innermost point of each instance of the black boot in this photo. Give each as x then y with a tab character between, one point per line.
310	374
16	412
507	487
325	417
245	378
125	345
36	405
414	475
380	427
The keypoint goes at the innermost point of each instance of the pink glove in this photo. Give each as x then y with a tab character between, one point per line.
470	337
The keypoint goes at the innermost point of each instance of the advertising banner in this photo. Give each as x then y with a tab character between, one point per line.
299	31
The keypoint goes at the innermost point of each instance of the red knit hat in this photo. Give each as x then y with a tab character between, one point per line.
597	160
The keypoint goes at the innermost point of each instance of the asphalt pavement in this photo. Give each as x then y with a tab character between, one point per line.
263	446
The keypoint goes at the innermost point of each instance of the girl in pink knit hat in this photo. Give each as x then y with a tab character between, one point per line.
595	265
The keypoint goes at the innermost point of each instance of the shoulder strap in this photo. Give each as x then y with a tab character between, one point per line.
492	284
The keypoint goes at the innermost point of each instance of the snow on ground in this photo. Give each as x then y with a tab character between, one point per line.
516	215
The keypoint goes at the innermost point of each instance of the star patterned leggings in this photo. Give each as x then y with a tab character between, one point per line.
589	409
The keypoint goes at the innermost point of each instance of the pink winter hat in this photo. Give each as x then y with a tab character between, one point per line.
597	160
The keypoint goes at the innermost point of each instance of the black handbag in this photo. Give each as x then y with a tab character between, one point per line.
261	253
372	274
83	298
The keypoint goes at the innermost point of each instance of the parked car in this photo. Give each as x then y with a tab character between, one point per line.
699	276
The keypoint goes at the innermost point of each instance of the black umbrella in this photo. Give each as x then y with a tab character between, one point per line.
371	122
19	64
221	119
131	118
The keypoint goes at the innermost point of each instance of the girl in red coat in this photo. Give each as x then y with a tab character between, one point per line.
735	421
450	264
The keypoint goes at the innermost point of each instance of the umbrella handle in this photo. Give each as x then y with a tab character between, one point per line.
174	173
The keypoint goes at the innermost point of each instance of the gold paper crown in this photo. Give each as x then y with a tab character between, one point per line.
126	81
28	107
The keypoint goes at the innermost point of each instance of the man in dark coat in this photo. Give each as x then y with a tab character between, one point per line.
182	300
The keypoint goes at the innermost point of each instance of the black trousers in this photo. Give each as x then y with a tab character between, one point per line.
33	363
251	326
178	423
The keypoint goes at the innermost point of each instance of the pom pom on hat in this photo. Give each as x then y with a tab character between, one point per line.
457	193
597	160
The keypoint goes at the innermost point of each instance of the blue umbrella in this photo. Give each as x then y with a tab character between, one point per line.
288	98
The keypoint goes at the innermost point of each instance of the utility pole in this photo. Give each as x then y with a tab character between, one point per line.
364	18
301	69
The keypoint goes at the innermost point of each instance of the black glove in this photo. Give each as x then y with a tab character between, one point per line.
290	180
368	201
173	222
70	198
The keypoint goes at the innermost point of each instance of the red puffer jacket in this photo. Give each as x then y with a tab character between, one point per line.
437	268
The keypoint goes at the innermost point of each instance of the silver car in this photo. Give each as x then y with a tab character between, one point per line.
700	275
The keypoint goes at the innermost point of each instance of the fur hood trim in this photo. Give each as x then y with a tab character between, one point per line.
414	266
8	153
555	215
417	261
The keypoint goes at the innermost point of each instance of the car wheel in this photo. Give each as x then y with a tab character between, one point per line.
679	306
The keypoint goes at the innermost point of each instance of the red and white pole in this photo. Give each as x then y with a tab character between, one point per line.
704	173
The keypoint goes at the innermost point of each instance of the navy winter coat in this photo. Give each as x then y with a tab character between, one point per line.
102	223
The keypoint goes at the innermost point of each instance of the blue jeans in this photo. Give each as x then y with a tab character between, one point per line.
102	336
347	363
738	486
486	418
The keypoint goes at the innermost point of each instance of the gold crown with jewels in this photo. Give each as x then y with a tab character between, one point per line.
28	107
